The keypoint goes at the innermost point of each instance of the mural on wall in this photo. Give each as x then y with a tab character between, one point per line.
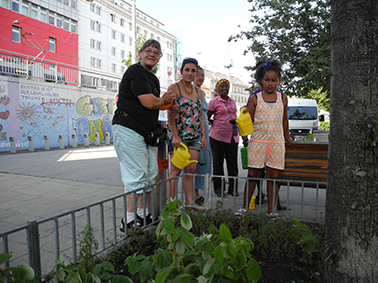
44	108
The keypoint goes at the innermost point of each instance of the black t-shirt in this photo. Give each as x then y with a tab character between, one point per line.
136	81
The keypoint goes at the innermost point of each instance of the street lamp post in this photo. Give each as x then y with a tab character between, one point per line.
133	34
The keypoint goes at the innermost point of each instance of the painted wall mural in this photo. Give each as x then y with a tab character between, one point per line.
31	108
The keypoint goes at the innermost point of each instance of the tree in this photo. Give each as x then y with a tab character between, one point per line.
297	33
352	205
140	41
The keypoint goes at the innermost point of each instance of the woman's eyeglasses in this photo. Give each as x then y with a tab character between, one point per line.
155	53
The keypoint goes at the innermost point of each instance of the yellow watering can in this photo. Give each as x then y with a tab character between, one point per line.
245	123
181	157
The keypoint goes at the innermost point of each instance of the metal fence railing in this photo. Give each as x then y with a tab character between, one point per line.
40	242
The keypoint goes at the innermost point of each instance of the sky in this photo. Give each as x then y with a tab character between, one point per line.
205	26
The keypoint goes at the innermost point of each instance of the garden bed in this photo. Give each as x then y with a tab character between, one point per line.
286	250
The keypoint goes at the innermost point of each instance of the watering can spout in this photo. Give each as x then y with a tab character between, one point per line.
190	162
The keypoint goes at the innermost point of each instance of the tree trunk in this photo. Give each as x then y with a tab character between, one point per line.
352	194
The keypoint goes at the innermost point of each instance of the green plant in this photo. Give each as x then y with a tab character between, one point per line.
102	272
309	137
325	126
88	248
20	274
194	259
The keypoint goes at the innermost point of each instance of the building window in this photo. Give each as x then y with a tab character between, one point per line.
122	54
93	62
34	12
15	6
73	27
66	25
52	44
51	20
92	7
122	38
98	10
25	8
113	34
113	51
93	43
98	63
98	45
130	41
122	23
122	69
73	4
59	23
98	27
114	68
113	17
66	2
92	26
130	26
5	4
16	34
43	15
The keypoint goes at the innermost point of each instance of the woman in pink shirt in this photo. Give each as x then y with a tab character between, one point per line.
224	138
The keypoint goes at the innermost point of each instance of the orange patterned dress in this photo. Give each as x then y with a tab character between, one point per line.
267	144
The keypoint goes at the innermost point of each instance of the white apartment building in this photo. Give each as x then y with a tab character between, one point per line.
237	91
105	39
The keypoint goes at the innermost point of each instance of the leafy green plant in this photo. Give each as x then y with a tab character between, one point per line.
309	137
88	248
20	274
325	126
101	272
194	259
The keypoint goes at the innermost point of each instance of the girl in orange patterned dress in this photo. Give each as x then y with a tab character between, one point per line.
266	147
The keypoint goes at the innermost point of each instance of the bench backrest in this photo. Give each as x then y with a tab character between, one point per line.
306	161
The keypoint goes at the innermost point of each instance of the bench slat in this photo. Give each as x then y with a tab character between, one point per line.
307	162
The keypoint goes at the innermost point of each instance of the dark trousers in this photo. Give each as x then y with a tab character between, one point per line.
229	151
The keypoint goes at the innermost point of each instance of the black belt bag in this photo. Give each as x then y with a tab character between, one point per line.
153	138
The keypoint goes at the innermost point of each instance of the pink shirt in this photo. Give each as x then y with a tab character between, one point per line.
224	111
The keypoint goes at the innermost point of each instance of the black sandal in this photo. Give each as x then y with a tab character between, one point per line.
200	201
220	194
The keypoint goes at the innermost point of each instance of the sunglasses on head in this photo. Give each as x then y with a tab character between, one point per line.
190	60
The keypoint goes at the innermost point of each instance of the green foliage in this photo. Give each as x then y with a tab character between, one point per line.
140	41
324	126
297	33
20	274
309	137
194	259
322	98
88	248
101	272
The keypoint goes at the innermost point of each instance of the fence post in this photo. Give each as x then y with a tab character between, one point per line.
34	255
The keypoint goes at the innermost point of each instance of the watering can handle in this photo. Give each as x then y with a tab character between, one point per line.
181	144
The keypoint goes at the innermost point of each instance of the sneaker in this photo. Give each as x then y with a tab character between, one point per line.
272	215
149	219
241	212
129	225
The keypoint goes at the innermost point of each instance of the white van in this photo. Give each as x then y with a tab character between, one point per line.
303	116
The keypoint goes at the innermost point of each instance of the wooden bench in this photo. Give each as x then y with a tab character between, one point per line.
305	164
